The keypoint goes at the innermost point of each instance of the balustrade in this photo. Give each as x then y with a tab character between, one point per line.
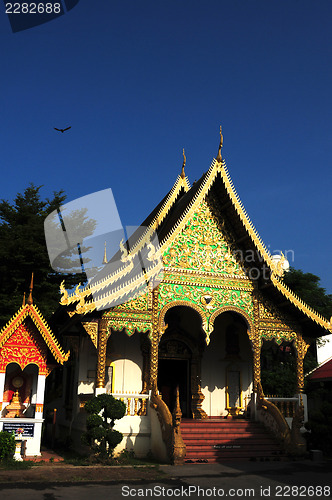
286	406
136	404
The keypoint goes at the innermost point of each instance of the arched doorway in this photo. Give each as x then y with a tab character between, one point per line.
23	384
227	367
278	367
180	352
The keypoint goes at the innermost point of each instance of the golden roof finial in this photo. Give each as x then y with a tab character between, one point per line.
105	257
183	175
23	304
30	301
219	157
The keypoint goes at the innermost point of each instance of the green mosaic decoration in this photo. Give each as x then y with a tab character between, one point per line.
209	300
140	303
274	324
279	336
130	323
201	246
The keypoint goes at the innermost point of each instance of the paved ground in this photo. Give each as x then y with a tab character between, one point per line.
303	479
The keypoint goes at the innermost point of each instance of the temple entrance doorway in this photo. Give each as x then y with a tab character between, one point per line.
173	373
227	367
180	352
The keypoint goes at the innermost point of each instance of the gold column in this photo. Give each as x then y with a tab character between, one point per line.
101	361
154	340
301	350
257	344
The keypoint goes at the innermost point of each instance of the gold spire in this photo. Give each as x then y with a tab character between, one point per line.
219	157
30	301
183	175
23	303
105	257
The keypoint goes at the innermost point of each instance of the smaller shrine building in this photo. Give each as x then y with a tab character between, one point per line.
28	353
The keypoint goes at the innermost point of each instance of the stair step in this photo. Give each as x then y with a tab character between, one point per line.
207	442
218	440
220	432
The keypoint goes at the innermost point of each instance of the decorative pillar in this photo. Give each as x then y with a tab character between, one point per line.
40	395
257	344
101	360
301	351
154	341
2	387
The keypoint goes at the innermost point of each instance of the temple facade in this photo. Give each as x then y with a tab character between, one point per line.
189	344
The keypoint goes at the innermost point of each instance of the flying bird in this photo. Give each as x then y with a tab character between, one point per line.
62	129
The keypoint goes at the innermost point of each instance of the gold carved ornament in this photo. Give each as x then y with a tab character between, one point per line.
201	246
91	329
31	311
102	344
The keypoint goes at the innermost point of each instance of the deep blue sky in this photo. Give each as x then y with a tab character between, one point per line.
139	80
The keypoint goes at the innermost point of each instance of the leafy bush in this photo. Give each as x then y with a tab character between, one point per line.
100	436
320	427
7	445
94	421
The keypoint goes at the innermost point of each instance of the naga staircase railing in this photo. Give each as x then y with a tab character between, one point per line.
270	415
170	426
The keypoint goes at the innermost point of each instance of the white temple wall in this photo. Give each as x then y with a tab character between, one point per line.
124	364
87	367
213	378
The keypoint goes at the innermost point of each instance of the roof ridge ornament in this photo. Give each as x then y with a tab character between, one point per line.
183	175
30	301
219	157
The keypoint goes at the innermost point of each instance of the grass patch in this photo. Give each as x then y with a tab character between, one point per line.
11	464
124	458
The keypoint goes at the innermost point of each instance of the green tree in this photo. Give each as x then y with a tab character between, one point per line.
307	286
100	436
23	251
278	375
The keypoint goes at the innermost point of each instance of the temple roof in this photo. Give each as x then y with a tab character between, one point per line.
168	219
323	372
32	312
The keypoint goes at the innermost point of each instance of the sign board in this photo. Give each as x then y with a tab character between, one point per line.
13	426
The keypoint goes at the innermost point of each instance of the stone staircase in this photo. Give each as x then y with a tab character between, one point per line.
221	440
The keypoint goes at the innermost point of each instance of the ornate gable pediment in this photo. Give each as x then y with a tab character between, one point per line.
24	346
35	325
203	246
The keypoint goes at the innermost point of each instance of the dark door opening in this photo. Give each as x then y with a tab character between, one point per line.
173	373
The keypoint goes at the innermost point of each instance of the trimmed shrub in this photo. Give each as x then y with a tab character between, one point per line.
100	436
7	445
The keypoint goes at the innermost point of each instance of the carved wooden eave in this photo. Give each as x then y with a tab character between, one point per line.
121	289
158	215
32	312
301	307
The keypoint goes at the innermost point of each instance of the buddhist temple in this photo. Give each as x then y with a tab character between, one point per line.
185	349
